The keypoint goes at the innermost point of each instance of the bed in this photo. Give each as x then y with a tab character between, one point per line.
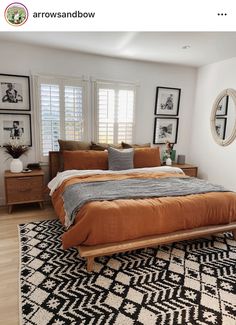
104	226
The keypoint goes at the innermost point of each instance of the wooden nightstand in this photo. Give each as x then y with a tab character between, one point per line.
24	188
189	170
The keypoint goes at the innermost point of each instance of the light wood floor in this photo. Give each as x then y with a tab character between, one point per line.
9	256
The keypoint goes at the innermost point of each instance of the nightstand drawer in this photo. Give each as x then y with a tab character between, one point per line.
190	172
24	189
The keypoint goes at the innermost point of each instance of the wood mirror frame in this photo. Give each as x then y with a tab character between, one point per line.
223	142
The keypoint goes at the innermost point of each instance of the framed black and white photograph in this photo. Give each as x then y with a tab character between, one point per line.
220	125
14	93
165	129
222	108
15	126
167	101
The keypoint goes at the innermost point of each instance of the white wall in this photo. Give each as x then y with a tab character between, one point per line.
215	162
22	59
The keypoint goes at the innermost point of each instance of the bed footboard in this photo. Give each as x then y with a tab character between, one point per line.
90	252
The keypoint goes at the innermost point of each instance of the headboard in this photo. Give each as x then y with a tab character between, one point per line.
55	163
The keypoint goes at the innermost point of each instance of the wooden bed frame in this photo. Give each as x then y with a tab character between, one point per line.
90	252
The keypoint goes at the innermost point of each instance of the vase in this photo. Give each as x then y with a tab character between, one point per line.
16	165
168	162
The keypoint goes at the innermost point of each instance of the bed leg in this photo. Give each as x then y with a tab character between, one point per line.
90	264
234	234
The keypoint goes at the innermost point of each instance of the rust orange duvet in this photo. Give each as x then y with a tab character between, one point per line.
107	221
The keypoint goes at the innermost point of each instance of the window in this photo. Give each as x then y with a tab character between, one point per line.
62	112
50	117
115	104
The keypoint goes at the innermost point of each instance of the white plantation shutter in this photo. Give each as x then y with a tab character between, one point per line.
106	115
62	107
125	115
74	120
50	117
115	104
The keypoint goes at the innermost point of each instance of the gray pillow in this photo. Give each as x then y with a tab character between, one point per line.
120	159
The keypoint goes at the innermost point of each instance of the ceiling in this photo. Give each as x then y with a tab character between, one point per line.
165	47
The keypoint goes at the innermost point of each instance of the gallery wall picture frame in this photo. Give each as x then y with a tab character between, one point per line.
220	125
222	108
15	126
14	93
165	129
167	101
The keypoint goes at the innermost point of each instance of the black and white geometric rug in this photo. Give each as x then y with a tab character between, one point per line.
190	282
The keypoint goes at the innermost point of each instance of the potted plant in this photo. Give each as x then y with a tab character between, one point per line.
168	152
16	149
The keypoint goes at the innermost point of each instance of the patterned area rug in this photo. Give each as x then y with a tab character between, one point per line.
190	282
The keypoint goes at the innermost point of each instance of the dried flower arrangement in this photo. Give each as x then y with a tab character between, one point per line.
15	148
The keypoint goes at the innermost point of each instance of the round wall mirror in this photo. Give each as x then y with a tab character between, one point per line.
223	117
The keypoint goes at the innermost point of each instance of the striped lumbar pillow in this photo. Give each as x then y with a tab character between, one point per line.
120	159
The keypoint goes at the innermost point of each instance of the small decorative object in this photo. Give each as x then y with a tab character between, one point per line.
34	166
220	125
167	101
168	162
165	129
181	159
14	92
15	149
26	170
15	126
222	107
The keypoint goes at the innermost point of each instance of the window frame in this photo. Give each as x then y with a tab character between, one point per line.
117	85
62	82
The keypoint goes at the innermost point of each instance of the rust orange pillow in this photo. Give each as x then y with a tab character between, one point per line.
147	157
85	159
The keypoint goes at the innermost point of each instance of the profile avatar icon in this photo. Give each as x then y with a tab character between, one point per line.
16	14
